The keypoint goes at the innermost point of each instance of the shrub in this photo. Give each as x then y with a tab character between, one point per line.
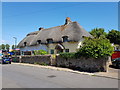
44	64
96	48
68	55
92	47
40	52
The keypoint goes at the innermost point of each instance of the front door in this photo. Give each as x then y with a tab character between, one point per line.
59	48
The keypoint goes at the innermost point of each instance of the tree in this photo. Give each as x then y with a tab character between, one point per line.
114	36
3	47
0	47
13	46
7	46
96	48
97	32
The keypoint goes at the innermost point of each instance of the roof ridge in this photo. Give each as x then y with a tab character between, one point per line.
58	26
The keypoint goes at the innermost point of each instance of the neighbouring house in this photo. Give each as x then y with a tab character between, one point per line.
116	53
64	38
117	47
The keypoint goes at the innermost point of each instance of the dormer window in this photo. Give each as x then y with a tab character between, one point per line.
38	41
49	41
25	43
65	38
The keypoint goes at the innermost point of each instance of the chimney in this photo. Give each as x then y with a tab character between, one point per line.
41	28
67	21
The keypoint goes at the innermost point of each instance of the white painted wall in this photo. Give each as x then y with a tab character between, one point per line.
72	46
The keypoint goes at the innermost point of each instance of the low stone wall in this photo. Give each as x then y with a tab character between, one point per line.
84	64
15	59
37	59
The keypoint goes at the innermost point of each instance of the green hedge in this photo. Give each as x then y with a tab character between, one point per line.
67	55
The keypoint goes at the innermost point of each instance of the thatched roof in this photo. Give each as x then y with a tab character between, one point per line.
73	30
29	37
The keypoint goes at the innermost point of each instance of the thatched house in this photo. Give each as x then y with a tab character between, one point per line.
64	38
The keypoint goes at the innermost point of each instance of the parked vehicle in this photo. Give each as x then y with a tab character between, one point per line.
116	62
0	59
115	55
6	60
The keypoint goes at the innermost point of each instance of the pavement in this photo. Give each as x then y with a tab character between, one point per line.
18	75
112	72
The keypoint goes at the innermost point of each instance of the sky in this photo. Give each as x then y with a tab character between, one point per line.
21	18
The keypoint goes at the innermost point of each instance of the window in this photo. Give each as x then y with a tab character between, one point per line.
51	51
49	41
66	50
65	39
25	43
38	41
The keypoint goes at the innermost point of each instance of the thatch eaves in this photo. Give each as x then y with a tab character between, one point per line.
28	39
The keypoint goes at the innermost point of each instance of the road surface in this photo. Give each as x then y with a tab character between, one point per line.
19	76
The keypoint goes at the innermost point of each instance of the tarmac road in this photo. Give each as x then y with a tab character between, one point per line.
19	76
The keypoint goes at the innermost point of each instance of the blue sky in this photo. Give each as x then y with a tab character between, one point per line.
20	18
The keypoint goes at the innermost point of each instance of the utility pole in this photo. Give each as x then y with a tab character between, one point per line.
15	48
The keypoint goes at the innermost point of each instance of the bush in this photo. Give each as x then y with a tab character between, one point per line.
44	64
96	48
68	55
40	52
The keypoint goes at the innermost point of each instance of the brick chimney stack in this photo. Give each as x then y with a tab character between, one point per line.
41	28
67	21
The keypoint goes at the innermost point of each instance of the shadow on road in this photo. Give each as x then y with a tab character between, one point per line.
111	66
